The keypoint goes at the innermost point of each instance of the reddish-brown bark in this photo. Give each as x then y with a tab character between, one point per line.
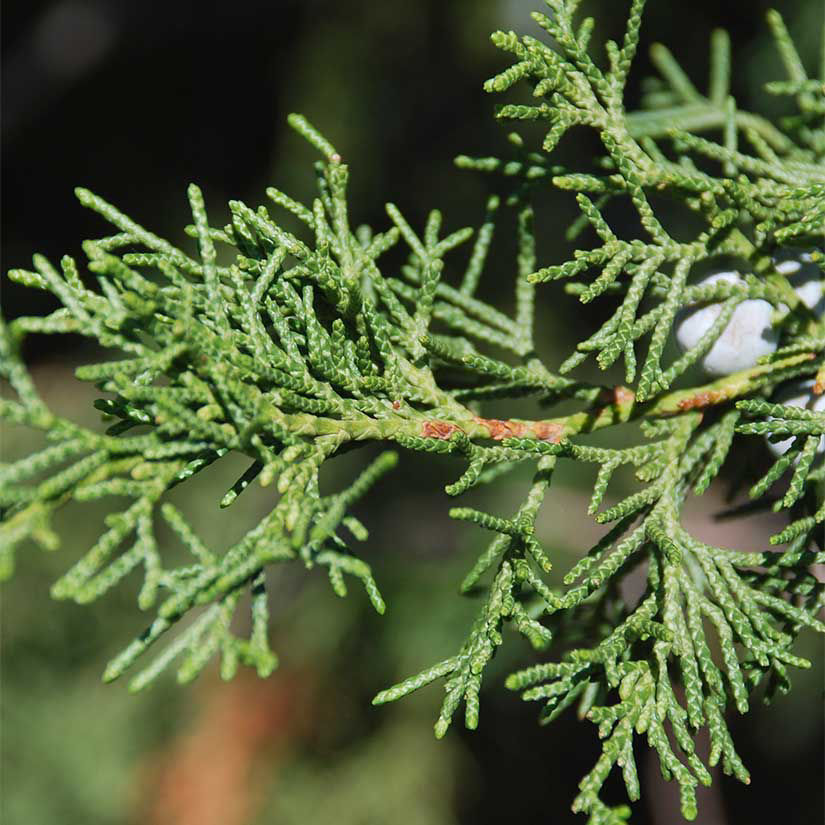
702	399
438	429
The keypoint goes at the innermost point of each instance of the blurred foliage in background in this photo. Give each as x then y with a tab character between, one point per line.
136	99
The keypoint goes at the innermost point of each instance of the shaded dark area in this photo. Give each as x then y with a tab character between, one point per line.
135	99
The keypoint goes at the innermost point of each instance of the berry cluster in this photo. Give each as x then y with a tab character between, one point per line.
751	334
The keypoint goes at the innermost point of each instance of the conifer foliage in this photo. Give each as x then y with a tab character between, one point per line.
305	344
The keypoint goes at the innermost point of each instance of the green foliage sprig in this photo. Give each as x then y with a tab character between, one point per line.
301	346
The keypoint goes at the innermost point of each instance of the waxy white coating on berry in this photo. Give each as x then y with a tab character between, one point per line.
797	394
747	337
805	277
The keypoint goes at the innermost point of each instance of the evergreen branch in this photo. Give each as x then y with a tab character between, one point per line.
305	346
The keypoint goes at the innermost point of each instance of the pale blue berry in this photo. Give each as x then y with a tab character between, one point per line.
797	394
746	338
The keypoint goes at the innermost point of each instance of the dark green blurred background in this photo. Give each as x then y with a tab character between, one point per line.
134	100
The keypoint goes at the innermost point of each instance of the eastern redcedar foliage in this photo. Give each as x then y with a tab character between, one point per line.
306	346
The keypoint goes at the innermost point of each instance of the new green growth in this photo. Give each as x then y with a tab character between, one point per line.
307	345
